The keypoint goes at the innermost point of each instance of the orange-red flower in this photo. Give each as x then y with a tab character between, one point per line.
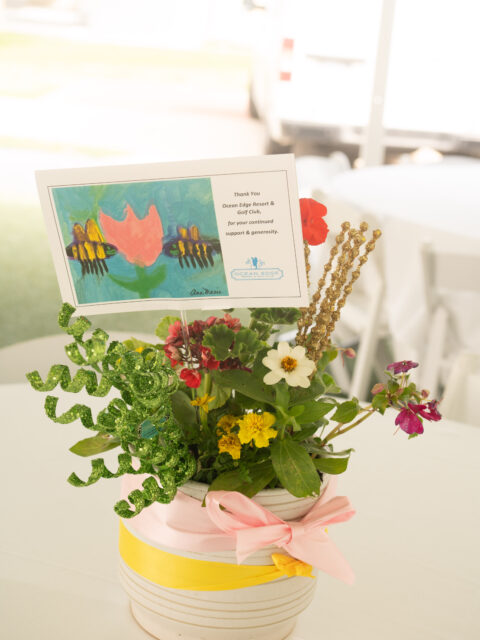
314	227
140	241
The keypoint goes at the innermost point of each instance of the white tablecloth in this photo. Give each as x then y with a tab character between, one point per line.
413	543
415	204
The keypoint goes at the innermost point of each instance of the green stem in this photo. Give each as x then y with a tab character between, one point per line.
208	383
338	431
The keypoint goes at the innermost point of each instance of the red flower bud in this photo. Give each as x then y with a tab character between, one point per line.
314	227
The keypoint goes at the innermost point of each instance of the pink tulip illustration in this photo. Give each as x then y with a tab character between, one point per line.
140	241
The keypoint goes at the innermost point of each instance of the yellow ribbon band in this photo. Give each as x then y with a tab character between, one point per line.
177	572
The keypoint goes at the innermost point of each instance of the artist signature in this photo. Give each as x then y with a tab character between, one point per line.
205	292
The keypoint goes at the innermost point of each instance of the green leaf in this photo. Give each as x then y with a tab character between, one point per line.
316	446
282	395
162	328
260	474
314	391
246	345
246	383
294	468
346	411
263	330
133	344
313	411
97	444
219	339
331	465
183	411
279	315
393	386
296	411
220	396
326	358
380	402
305	433
245	402
330	384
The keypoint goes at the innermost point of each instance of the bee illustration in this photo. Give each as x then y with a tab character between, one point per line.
89	248
191	249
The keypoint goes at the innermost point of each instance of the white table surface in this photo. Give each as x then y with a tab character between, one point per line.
443	196
437	204
413	543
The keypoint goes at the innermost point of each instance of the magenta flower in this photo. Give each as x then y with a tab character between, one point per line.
409	422
428	411
140	241
402	366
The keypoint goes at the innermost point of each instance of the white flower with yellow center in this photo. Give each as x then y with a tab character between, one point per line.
289	363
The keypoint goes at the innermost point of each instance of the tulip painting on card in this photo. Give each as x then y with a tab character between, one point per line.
140	240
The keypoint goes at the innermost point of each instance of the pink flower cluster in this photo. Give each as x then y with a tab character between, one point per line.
409	418
194	356
409	421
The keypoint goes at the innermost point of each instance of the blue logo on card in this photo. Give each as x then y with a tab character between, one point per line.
256	270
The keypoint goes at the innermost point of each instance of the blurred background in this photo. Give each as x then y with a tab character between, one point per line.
379	101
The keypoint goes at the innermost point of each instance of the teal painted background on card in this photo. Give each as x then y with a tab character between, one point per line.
179	202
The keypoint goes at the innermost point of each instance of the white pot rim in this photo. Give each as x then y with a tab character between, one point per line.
279	491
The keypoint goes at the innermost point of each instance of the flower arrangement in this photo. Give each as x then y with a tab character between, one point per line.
234	406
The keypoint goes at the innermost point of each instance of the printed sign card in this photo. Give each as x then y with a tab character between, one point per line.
209	234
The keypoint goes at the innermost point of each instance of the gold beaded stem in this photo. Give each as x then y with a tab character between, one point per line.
308	313
320	317
306	253
324	322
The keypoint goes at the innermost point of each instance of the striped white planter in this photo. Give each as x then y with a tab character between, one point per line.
263	612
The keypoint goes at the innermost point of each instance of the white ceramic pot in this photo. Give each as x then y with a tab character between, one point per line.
262	612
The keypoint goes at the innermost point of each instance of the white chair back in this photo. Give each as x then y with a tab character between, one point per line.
444	271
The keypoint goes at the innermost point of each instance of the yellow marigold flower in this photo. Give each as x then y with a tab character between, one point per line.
291	566
202	402
226	424
230	444
257	427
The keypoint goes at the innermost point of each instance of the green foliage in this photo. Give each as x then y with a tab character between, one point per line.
162	328
246	345
225	343
97	444
145	383
380	402
325	359
294	468
330	385
331	466
314	391
247	384
314	411
286	315
220	396
259	476
282	395
219	339
182	408
346	411
153	421
305	432
133	344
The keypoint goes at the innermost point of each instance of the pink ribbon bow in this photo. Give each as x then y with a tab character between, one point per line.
255	527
